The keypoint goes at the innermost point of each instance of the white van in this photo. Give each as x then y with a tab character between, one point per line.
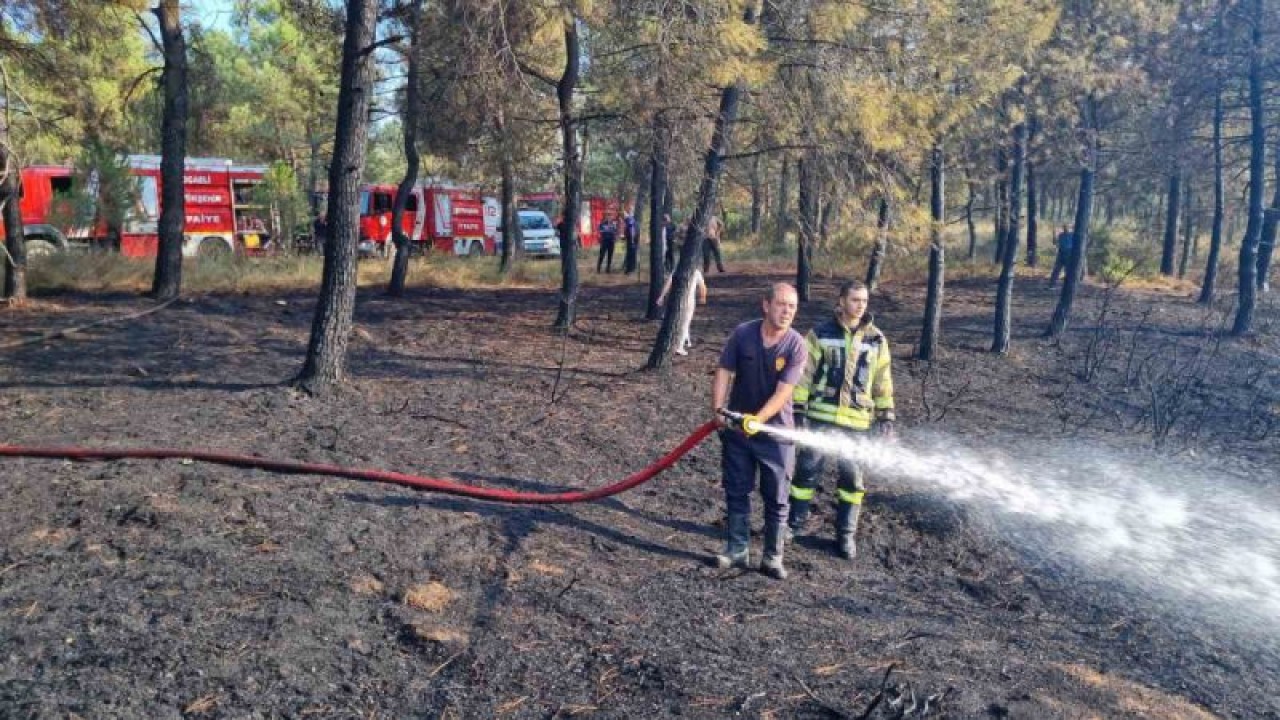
538	236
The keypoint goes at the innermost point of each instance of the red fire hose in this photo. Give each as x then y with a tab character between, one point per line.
416	482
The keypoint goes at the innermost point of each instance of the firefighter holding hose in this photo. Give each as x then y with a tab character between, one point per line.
758	371
847	388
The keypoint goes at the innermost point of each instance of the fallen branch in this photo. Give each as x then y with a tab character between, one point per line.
67	332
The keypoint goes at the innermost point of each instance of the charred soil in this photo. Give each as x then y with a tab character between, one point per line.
175	589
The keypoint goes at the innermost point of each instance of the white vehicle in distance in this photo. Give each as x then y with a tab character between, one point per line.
539	238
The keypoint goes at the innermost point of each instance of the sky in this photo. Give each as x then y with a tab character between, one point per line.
212	14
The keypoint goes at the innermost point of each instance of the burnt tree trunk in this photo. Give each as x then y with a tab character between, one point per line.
1168	250
331	328
1004	291
807	236
409	123
1188	228
572	175
881	246
658	197
167	282
15	246
757	196
1247	287
937	258
970	198
691	253
1209	285
784	205
1084	211
510	221
1033	203
1267	244
1002	204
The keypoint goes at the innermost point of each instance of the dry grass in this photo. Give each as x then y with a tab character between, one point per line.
103	272
366	585
431	596
1134	700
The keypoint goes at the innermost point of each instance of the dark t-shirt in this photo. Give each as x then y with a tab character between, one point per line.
758	369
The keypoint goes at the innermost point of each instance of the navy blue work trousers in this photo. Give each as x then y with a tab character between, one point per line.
743	460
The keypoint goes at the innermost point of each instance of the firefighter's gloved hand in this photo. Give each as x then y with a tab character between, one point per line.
887	431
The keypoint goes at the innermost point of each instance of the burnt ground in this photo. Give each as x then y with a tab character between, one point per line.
165	589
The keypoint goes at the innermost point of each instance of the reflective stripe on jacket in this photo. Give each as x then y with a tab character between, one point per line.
848	381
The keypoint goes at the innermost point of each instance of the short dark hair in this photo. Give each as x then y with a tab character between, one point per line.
849	286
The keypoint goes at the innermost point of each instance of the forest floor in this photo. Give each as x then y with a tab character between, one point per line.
172	589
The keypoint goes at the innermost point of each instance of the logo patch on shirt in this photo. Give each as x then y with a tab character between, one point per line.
780	363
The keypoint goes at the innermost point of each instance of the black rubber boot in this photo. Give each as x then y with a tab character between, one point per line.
797	517
771	563
846	528
737	549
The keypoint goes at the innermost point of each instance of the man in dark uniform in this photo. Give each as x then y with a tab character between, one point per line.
608	239
759	368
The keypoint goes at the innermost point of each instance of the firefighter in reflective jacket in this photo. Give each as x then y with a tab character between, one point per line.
848	386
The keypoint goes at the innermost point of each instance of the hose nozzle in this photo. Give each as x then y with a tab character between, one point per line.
746	422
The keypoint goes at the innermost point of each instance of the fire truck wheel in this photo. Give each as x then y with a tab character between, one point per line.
476	250
40	247
213	249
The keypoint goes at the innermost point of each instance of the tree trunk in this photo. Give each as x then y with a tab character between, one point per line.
409	123
937	258
881	246
784	205
572	176
1002	204
691	251
658	194
1247	287
331	328
1267	244
757	196
970	198
167	282
1219	203
1188	228
15	261
1033	212
807	236
512	236
1004	291
1084	209
1172	212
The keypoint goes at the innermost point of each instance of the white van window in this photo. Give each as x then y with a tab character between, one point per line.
534	222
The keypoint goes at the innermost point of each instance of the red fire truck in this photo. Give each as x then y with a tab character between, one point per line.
222	215
445	219
594	210
46	192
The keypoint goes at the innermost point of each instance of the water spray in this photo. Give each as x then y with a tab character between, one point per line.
1171	528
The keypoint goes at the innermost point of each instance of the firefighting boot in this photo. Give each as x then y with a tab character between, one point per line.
771	562
846	528
797	517
737	550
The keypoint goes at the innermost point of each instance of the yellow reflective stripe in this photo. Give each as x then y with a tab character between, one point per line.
856	418
884	403
800	394
852	497
799	493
